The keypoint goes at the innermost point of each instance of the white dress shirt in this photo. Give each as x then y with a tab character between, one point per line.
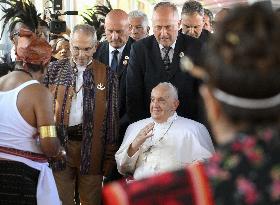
171	52
76	110
175	143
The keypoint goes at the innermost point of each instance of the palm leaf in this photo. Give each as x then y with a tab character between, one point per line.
19	10
96	16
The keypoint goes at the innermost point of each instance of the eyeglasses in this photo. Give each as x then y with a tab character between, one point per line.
76	49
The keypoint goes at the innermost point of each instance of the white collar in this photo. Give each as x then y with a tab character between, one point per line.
169	120
81	68
172	46
111	49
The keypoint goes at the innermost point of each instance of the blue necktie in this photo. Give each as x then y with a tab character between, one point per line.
114	62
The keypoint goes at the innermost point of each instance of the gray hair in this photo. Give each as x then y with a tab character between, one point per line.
171	89
167	4
89	30
191	7
137	13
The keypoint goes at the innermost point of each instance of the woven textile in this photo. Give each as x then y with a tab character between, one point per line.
185	186
18	183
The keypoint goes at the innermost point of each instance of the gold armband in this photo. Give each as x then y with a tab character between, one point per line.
47	131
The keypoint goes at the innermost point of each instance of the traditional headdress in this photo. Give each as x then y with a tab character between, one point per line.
31	49
19	11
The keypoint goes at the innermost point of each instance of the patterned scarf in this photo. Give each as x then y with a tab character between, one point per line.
88	118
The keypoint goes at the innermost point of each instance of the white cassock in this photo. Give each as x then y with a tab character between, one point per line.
175	143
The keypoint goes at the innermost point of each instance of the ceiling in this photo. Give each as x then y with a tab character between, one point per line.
216	5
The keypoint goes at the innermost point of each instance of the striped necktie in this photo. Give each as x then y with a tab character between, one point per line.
166	59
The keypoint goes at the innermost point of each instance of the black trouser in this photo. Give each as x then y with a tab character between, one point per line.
76	133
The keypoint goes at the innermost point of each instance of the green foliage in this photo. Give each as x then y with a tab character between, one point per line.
152	1
95	16
19	11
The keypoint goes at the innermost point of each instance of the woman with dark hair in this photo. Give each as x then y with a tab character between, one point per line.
242	99
27	131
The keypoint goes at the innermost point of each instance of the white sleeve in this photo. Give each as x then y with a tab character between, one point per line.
202	146
126	164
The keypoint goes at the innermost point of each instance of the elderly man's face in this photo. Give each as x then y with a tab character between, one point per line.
165	26
137	28
116	31
163	104
192	24
82	47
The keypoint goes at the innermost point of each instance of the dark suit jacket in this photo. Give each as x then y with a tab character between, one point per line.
102	55
146	70
205	36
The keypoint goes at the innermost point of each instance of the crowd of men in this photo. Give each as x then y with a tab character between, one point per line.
123	107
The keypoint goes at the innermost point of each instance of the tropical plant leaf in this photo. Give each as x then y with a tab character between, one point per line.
95	17
20	10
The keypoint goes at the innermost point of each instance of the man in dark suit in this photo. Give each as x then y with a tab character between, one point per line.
156	59
114	52
192	21
117	34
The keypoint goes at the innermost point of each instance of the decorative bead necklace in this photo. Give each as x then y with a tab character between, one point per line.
75	94
77	91
150	148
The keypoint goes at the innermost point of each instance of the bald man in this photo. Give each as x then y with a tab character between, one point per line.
114	52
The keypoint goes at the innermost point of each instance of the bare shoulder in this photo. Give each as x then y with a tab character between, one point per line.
39	93
35	104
